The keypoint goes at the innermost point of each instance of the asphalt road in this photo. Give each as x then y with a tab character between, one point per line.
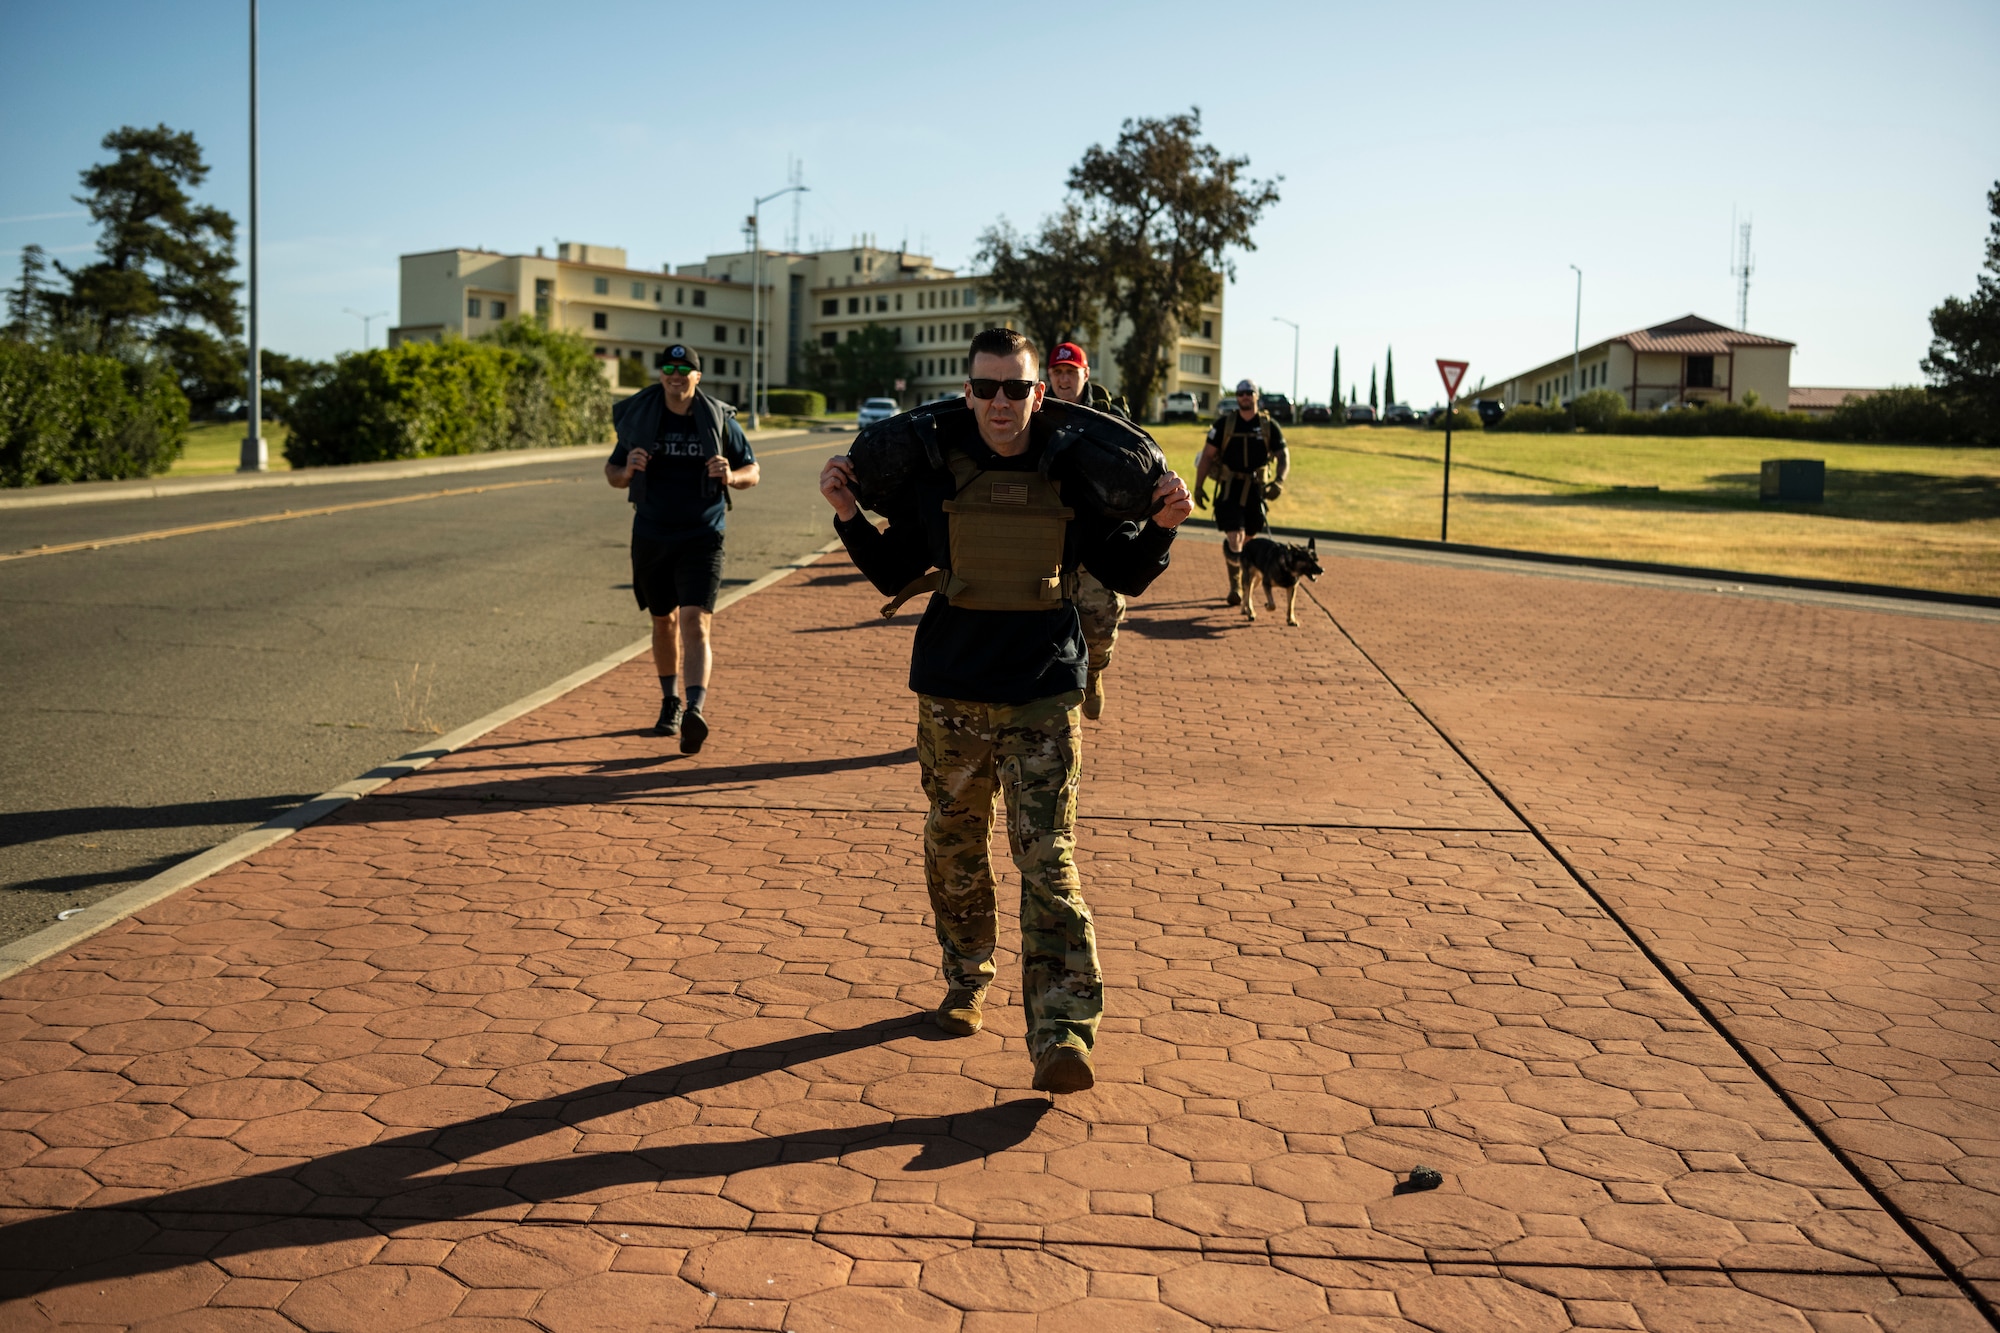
160	697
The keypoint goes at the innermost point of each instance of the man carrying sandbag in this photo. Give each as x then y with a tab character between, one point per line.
999	666
1100	609
679	454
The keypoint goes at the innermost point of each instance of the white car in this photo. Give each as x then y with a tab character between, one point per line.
1181	407
874	410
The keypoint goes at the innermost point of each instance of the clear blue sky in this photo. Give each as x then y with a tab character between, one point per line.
1443	164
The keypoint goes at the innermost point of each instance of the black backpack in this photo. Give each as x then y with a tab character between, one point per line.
1115	463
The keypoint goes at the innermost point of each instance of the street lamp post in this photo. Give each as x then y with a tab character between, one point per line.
1295	362
255	457
758	374
367	321
1576	342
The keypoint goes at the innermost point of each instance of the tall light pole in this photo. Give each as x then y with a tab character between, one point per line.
255	457
758	375
366	321
1295	363
1576	342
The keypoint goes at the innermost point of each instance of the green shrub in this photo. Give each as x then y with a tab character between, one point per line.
1721	419
1462	418
632	373
519	387
1598	410
1535	420
69	416
796	402
1897	416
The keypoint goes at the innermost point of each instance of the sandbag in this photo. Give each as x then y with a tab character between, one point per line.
1115	462
889	455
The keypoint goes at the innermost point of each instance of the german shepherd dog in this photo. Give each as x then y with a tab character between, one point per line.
1282	567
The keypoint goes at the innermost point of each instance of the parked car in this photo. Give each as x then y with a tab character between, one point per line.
1490	411
1360	414
875	409
1398	414
1279	406
1317	414
1182	407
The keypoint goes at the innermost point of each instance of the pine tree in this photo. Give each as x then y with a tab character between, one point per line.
1964	360
1373	400
1335	400
26	304
1389	378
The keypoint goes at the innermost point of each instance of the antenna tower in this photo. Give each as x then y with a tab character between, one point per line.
1741	269
795	174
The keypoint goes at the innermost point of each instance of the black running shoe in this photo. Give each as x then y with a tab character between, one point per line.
693	732
670	719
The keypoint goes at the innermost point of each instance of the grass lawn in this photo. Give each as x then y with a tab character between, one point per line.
1907	515
217	446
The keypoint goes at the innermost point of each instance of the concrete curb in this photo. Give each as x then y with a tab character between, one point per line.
31	949
159	488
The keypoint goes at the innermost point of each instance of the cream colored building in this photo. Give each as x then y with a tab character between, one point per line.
1683	361
818	299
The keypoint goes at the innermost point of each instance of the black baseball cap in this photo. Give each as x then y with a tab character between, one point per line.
681	355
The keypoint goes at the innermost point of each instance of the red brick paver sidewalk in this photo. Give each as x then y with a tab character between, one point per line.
570	1032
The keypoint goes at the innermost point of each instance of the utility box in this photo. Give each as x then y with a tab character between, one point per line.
1793	479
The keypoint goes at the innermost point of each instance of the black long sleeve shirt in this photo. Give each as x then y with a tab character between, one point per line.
999	657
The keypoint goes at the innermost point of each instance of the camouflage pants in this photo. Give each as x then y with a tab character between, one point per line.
1100	610
1032	752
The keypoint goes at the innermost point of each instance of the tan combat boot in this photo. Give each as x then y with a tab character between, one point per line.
1093	695
1235	584
1064	1068
960	1013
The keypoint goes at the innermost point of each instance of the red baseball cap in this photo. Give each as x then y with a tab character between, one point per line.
1068	354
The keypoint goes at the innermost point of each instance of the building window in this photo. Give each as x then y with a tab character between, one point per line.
722	333
598	320
1208	328
600	351
601	286
968	296
1701	372
882	304
677	328
830	306
543	286
472	307
854	302
666	330
829	339
700	297
857	263
899	300
743	334
680	296
499	309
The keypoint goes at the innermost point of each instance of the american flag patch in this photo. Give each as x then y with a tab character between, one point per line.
1010	492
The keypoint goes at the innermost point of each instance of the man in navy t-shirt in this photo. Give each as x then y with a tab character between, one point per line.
679	453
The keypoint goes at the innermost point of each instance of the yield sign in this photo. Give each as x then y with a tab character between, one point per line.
1454	373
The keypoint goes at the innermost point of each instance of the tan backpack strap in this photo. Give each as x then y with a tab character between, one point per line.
923	583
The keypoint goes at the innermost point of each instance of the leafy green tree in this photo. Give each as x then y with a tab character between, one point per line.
1058	278
868	363
1389	378
163	272
1167	208
285	377
1964	359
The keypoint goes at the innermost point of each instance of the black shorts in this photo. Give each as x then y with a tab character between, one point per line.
1229	516
681	571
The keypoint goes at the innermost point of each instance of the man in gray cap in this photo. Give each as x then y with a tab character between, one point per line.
1242	448
679	453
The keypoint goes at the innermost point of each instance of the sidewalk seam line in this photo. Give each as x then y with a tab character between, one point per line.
51	940
1966	1286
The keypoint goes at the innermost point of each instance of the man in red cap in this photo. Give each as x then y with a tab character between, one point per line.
1100	609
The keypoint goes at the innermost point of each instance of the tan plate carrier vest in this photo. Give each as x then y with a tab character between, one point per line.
1006	536
1247	486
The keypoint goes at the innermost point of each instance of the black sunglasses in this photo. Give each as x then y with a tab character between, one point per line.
1016	389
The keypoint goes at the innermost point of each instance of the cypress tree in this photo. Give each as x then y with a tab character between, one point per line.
1389	379
1373	401
1335	400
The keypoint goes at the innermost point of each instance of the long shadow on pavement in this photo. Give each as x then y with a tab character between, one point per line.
416	1178
556	785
